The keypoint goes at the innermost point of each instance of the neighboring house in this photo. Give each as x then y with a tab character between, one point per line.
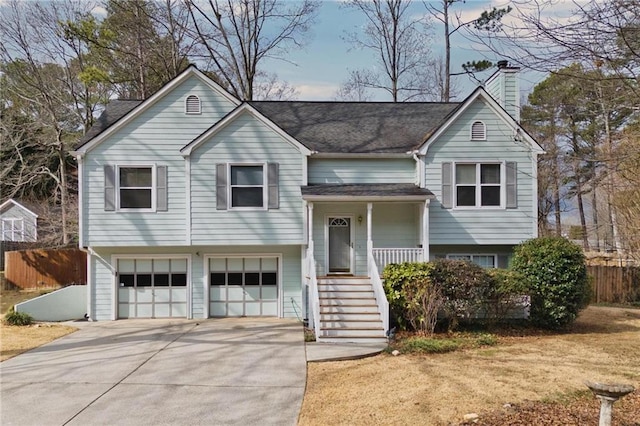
17	222
195	204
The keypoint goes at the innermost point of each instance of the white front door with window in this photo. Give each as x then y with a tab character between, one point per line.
340	245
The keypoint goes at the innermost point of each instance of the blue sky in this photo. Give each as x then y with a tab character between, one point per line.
326	60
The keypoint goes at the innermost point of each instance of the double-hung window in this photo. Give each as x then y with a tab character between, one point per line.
136	187
13	229
478	185
247	186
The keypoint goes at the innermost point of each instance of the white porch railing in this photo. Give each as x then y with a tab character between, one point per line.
384	256
378	290
314	299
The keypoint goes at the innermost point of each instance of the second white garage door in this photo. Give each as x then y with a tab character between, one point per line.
243	286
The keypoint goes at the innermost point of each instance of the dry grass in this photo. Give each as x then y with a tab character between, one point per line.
440	389
15	340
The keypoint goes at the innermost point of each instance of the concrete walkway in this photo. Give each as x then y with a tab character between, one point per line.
160	372
320	352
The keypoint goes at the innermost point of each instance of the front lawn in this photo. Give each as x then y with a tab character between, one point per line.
534	373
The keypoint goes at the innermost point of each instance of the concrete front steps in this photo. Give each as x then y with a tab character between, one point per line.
348	311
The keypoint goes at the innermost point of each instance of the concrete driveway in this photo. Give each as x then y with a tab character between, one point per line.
160	372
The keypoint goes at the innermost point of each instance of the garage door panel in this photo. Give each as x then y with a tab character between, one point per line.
252	309
252	293
218	293
144	310
162	310
270	292
235	309
235	294
270	308
126	295
126	310
178	309
162	295
179	295
218	309
144	295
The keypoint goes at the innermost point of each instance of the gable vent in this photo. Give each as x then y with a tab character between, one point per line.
478	131
192	105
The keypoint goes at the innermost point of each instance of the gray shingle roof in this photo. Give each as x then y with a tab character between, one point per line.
331	127
357	127
366	190
115	110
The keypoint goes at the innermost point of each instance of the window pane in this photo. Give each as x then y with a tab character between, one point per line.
161	280
180	280
235	278
135	198
126	280
460	257
490	173
490	195
466	196
246	197
485	261
466	174
135	177
144	280
218	278
246	175
251	278
269	278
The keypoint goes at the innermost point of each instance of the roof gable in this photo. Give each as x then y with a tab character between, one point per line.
11	202
230	118
481	94
123	112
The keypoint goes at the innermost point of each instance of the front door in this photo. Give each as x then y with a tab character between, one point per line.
340	245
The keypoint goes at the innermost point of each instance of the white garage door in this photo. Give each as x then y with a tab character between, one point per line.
243	286
152	288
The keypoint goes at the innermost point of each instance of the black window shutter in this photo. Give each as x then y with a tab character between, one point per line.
221	186
109	188
447	186
161	189
512	185
274	185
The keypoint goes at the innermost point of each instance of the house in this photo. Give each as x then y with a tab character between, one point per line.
17	222
195	204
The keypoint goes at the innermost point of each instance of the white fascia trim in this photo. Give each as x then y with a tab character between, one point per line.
387	199
14	202
346	155
80	161
245	107
150	101
534	194
480	93
187	189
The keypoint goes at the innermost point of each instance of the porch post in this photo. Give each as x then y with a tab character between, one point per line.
369	236
425	231
310	226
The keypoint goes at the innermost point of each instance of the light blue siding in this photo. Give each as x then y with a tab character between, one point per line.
103	295
481	226
246	140
154	137
389	170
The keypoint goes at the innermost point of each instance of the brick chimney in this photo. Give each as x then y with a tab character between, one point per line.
504	87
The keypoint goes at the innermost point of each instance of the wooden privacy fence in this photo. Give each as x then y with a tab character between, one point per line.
30	269
615	284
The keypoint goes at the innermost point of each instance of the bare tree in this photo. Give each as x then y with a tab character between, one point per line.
398	39
238	35
47	105
452	22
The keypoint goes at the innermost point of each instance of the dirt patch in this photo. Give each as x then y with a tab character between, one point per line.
8	298
440	389
15	340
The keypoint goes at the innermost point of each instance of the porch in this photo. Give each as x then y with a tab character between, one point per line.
355	231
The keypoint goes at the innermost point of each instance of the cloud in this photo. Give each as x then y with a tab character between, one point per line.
316	91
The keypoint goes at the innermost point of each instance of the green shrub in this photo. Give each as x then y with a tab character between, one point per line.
505	295
465	287
554	271
486	340
18	318
396	276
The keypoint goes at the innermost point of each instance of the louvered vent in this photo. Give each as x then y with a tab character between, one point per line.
192	105
478	131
